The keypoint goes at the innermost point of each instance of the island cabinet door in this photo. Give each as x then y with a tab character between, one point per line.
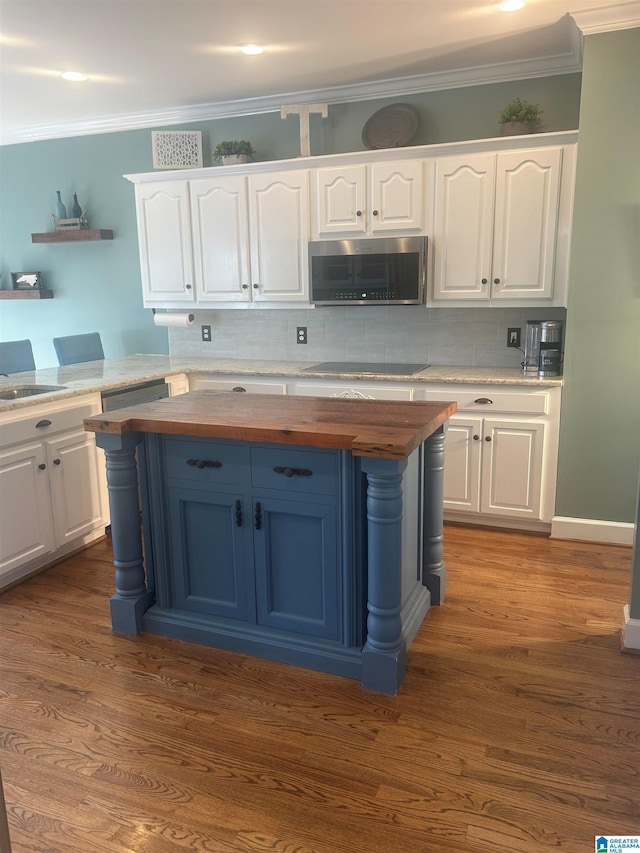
296	565
209	567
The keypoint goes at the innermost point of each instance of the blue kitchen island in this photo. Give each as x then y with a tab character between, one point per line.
306	530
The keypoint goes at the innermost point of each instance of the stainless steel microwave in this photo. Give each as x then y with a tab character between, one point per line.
376	271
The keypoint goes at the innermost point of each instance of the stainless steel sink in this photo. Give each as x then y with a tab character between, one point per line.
19	391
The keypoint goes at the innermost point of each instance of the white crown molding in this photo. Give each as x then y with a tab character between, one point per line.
565	63
606	19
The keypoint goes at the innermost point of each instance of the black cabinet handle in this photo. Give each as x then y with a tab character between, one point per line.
375	212
484	401
476	438
358	213
258	516
240	389
238	514
188	286
293	472
204	463
42	466
43	423
57	461
496	281
487	438
256	286
484	281
245	287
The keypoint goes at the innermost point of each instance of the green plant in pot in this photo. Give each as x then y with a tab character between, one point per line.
235	151
520	116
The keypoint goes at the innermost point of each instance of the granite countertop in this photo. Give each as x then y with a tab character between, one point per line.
97	376
386	429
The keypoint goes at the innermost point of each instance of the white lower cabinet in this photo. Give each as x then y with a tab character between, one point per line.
494	466
51	483
500	466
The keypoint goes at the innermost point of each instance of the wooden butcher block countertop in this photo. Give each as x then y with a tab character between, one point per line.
379	428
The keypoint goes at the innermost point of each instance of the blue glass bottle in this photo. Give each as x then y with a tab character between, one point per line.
76	210
61	210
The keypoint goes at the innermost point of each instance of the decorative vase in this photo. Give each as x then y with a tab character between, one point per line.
61	210
515	128
232	159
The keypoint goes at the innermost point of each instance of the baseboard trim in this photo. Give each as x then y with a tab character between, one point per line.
592	530
630	632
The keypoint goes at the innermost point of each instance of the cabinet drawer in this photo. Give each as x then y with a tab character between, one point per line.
240	385
354	390
484	400
44	421
206	462
292	466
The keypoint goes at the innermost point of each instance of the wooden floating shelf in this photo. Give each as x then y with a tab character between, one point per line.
36	293
72	236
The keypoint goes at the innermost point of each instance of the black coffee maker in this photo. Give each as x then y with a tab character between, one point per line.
543	348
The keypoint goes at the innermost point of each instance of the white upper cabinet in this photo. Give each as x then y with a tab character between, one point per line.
369	200
219	215
164	238
279	232
496	225
231	239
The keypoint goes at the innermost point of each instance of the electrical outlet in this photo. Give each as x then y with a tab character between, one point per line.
301	334
513	337
206	333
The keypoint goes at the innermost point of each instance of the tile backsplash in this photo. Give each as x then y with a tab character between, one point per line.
474	337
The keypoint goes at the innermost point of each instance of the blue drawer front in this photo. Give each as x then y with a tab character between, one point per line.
296	471
206	462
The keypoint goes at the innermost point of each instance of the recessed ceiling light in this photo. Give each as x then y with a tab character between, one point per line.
74	76
251	49
511	5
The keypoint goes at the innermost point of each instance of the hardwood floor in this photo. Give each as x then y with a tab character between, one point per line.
516	729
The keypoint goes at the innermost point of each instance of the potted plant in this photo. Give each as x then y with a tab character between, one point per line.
519	116
236	151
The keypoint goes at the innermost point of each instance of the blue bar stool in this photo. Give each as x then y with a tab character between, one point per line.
16	356
73	349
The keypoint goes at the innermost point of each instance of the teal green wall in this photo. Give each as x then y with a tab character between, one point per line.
97	285
600	427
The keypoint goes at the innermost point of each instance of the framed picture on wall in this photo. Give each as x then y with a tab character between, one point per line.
26	280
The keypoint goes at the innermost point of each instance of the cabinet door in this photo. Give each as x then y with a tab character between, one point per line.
279	227
396	197
76	488
526	220
221	239
462	452
463	227
511	468
26	526
208	566
296	564
339	204
164	236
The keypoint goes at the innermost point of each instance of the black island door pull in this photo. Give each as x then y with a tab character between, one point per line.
204	463
258	516
238	514
293	472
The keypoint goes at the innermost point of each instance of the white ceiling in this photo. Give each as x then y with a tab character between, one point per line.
154	62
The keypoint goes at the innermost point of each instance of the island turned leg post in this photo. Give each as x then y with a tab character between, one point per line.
131	597
433	568
384	653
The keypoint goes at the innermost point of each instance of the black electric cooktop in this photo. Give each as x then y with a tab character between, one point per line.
365	367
